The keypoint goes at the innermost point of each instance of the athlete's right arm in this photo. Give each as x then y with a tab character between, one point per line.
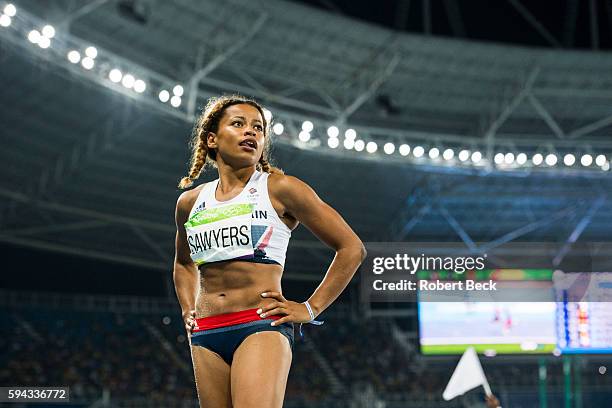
185	272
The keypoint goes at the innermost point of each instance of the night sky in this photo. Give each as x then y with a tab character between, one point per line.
485	20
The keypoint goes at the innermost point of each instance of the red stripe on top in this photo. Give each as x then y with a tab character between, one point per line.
266	239
229	319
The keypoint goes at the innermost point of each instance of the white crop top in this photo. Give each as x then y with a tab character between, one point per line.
246	227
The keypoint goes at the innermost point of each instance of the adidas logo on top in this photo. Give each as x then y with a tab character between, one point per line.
200	207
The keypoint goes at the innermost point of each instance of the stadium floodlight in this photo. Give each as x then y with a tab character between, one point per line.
418	151
34	36
569	159
404	150
389	148
448	154
91	52
140	86
44	42
175	101
307	126
333	142
48	31
509	158
164	96
178	90
115	75
128	81
476	156
349	144
464	155
606	166
586	160
5	20
434	153
521	158
333	131
278	128
359	145
304	136
74	56
600	160
551	159
537	159
499	158
10	10
267	115
350	134
371	147
87	62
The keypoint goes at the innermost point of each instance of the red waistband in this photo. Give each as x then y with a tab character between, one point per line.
229	319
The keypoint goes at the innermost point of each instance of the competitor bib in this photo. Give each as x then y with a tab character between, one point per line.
220	234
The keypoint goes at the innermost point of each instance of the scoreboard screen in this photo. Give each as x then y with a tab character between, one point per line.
575	323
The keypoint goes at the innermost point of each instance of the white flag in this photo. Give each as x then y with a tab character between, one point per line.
467	375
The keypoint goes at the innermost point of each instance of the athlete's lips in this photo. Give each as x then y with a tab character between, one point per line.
249	143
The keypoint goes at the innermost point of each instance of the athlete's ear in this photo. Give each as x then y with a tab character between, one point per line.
211	140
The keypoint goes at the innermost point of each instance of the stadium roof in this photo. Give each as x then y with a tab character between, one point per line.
92	171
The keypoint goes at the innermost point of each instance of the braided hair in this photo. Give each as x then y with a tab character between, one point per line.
209	122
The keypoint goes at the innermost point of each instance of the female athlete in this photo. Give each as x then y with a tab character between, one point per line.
231	241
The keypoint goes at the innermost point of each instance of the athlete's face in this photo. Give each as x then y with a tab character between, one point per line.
239	140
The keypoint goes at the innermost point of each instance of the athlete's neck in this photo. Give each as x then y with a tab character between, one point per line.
231	179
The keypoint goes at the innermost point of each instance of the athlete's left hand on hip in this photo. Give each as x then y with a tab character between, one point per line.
294	312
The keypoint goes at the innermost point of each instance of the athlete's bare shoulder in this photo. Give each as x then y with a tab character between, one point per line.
282	184
185	202
290	191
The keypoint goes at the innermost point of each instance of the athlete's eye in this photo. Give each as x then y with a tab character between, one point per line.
236	122
259	128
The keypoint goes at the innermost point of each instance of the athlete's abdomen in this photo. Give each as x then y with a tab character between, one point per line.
233	286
